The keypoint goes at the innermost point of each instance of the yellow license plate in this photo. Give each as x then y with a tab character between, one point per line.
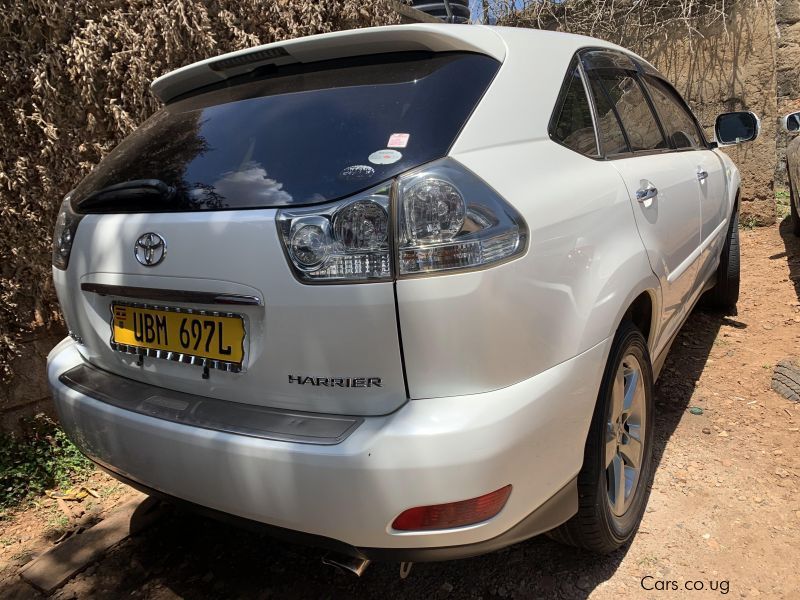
194	334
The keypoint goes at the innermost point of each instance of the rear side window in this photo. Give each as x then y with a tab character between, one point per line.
679	125
296	135
612	140
626	95
573	124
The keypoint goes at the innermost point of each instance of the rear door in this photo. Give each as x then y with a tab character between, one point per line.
687	139
662	188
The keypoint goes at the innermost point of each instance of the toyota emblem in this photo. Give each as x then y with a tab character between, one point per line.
150	249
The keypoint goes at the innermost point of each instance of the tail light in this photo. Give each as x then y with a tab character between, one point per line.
344	241
64	234
439	218
453	514
450	219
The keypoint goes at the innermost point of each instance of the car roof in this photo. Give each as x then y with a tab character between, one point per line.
497	42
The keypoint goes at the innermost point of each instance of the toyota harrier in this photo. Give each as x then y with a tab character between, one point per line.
399	292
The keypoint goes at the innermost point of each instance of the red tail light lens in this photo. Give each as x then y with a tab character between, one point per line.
453	514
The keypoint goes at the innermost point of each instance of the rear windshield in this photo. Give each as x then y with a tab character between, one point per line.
295	135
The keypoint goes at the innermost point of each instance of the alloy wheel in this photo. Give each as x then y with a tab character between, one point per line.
624	440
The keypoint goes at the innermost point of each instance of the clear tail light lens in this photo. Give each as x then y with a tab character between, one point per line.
446	219
450	219
310	242
344	241
434	210
64	234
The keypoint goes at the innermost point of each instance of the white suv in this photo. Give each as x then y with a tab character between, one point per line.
399	292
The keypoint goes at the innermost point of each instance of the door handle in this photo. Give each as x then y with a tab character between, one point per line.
647	193
702	174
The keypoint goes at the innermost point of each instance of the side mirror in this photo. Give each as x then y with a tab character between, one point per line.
736	127
791	122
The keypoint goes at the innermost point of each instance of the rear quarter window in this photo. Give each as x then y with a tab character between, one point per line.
609	130
572	125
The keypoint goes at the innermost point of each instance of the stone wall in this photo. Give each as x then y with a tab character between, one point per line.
726	67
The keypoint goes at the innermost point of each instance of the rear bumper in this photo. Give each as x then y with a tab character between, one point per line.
431	451
552	513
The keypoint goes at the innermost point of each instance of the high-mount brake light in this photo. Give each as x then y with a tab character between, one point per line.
446	219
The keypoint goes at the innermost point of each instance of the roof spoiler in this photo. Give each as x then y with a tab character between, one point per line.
356	42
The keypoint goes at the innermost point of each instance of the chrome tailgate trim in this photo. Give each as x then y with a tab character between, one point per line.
162	295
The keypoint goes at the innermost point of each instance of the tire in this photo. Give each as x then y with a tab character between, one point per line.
786	380
607	520
793	207
725	293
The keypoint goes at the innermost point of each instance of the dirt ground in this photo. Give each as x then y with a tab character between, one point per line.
723	515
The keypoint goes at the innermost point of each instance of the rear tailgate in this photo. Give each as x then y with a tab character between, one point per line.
204	180
300	340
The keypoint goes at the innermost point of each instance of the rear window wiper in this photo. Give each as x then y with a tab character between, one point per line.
137	195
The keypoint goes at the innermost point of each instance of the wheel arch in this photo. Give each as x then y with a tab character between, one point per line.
641	312
642	307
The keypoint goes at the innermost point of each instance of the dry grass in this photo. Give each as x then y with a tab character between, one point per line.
639	24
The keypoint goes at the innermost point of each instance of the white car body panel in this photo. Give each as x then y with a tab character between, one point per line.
577	300
669	225
716	207
525	87
542	309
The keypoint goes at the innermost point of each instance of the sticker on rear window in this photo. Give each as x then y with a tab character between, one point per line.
385	157
398	140
356	173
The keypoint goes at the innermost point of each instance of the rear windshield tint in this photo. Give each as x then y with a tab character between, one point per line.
296	135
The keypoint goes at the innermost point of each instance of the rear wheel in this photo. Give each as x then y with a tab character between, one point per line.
725	293
612	485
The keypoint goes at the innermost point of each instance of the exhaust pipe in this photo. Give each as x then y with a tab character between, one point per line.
346	564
